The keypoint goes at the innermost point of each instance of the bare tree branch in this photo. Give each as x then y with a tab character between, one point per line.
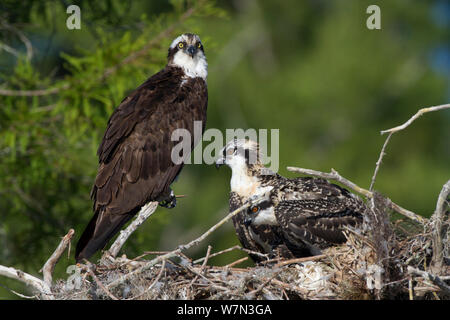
442	207
417	115
334	175
49	266
99	283
9	49
33	93
29	280
399	128
435	279
236	247
180	248
145	212
380	158
300	260
21	36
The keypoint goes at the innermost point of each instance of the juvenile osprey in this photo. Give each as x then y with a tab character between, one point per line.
307	214
266	239
135	154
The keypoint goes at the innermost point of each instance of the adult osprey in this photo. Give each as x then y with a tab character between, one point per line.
307	214
136	166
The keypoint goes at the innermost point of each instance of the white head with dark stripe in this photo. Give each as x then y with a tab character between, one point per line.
240	154
243	157
187	52
261	211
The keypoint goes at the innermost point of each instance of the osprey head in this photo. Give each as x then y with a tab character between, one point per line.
260	211
187	52
238	154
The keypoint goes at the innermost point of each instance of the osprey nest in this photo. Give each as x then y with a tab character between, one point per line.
386	260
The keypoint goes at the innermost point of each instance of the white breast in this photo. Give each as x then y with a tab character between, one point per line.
193	68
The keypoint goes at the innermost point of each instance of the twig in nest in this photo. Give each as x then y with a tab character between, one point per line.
163	267
438	217
216	254
49	266
232	264
203	264
300	260
214	285
435	279
236	247
253	293
206	258
334	175
99	283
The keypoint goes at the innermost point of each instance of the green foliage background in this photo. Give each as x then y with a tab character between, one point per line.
309	68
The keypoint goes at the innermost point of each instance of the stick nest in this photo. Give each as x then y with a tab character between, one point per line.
375	263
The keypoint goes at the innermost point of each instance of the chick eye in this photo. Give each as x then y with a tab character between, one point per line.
254	209
181	45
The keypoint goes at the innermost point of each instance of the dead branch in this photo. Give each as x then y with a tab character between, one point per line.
42	286
334	175
234	263
99	283
417	115
158	277
36	283
431	277
20	35
236	247
300	260
379	161
399	128
203	264
145	212
180	248
49	266
438	230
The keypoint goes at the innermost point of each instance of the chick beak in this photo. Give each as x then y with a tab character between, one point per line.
220	162
247	221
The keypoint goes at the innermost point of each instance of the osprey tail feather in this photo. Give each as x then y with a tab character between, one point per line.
98	232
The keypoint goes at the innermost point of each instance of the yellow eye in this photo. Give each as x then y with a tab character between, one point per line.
230	152
181	45
255	209
199	45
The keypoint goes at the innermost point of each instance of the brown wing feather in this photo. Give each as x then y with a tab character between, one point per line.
270	235
317	222
135	153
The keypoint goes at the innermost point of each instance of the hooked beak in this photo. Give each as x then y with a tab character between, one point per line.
220	162
247	221
191	50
